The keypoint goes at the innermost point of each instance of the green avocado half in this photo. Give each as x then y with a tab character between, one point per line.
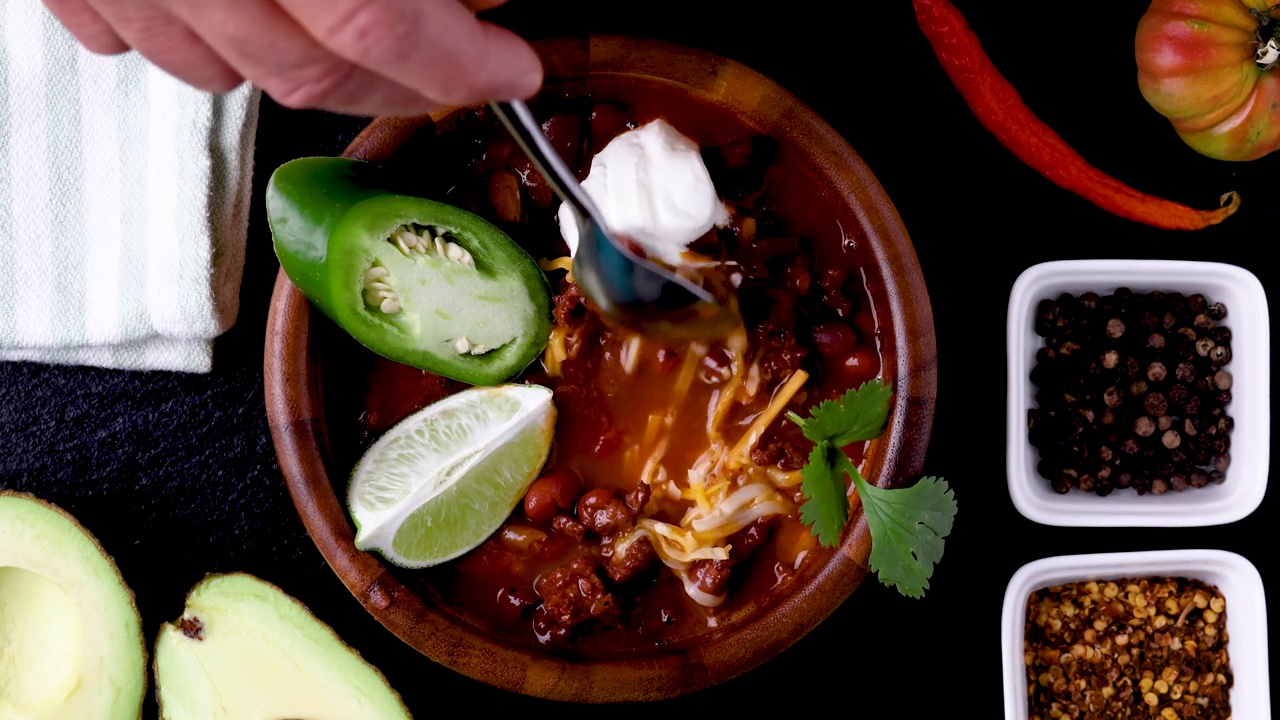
244	650
70	638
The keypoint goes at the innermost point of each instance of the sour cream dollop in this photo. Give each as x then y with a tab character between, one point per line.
651	186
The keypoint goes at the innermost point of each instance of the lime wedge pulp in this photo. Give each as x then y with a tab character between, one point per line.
445	478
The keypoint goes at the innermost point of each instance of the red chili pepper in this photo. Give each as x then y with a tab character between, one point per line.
1000	109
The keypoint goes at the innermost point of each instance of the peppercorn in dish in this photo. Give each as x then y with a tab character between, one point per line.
1133	392
1128	648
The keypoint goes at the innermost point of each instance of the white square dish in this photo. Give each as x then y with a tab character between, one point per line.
1233	575
1248	319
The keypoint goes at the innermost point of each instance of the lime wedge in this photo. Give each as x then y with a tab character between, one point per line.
443	479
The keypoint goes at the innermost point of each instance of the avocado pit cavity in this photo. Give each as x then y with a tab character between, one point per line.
39	644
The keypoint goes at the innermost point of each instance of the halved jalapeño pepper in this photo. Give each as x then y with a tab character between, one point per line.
417	281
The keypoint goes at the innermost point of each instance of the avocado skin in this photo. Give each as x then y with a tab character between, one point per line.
242	644
118	631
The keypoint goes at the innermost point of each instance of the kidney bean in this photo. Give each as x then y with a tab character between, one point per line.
504	196
866	325
859	366
514	600
535	186
711	576
604	512
551	493
834	339
607	122
564	132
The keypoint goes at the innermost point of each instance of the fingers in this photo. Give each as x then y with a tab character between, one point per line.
168	43
87	25
435	47
263	43
476	6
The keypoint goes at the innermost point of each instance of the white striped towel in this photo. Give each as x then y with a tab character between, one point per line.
124	204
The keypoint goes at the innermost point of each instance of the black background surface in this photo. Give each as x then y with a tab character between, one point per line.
177	476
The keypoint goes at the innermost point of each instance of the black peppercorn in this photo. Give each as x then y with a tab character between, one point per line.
1156	372
1116	370
1115	328
1112	397
1144	426
1184	372
1217	311
1155	404
1222	380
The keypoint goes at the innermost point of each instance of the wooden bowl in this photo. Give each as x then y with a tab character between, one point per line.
294	391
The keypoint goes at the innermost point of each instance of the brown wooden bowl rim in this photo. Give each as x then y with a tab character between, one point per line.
295	415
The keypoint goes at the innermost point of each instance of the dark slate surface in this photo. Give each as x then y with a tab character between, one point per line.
177	477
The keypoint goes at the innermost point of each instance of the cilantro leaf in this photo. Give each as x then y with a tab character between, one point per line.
907	528
826	507
859	415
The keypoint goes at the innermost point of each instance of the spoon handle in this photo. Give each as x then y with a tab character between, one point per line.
522	125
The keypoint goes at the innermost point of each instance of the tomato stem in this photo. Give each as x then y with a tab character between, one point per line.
1268	38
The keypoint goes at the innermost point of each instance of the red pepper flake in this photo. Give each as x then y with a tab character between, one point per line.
1001	110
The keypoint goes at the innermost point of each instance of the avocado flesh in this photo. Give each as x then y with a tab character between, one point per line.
70	637
244	650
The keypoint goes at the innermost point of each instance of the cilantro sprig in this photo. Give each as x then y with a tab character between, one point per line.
907	525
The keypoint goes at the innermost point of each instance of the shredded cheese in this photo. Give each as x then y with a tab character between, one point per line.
560	263
742	450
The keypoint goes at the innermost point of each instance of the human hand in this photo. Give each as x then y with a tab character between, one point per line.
364	57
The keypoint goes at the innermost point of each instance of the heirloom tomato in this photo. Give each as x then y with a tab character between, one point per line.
1210	66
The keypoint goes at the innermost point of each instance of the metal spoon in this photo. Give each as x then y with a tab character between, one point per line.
624	287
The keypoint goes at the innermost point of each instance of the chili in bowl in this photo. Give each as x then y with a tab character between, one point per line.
662	549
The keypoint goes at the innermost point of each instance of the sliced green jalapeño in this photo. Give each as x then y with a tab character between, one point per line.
417	281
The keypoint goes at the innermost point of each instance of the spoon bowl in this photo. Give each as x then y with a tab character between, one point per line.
625	288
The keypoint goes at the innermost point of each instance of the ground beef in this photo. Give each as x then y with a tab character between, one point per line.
573	594
638	498
784	445
631	560
568	526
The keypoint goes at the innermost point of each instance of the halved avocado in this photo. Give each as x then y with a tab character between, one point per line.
70	638
244	650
